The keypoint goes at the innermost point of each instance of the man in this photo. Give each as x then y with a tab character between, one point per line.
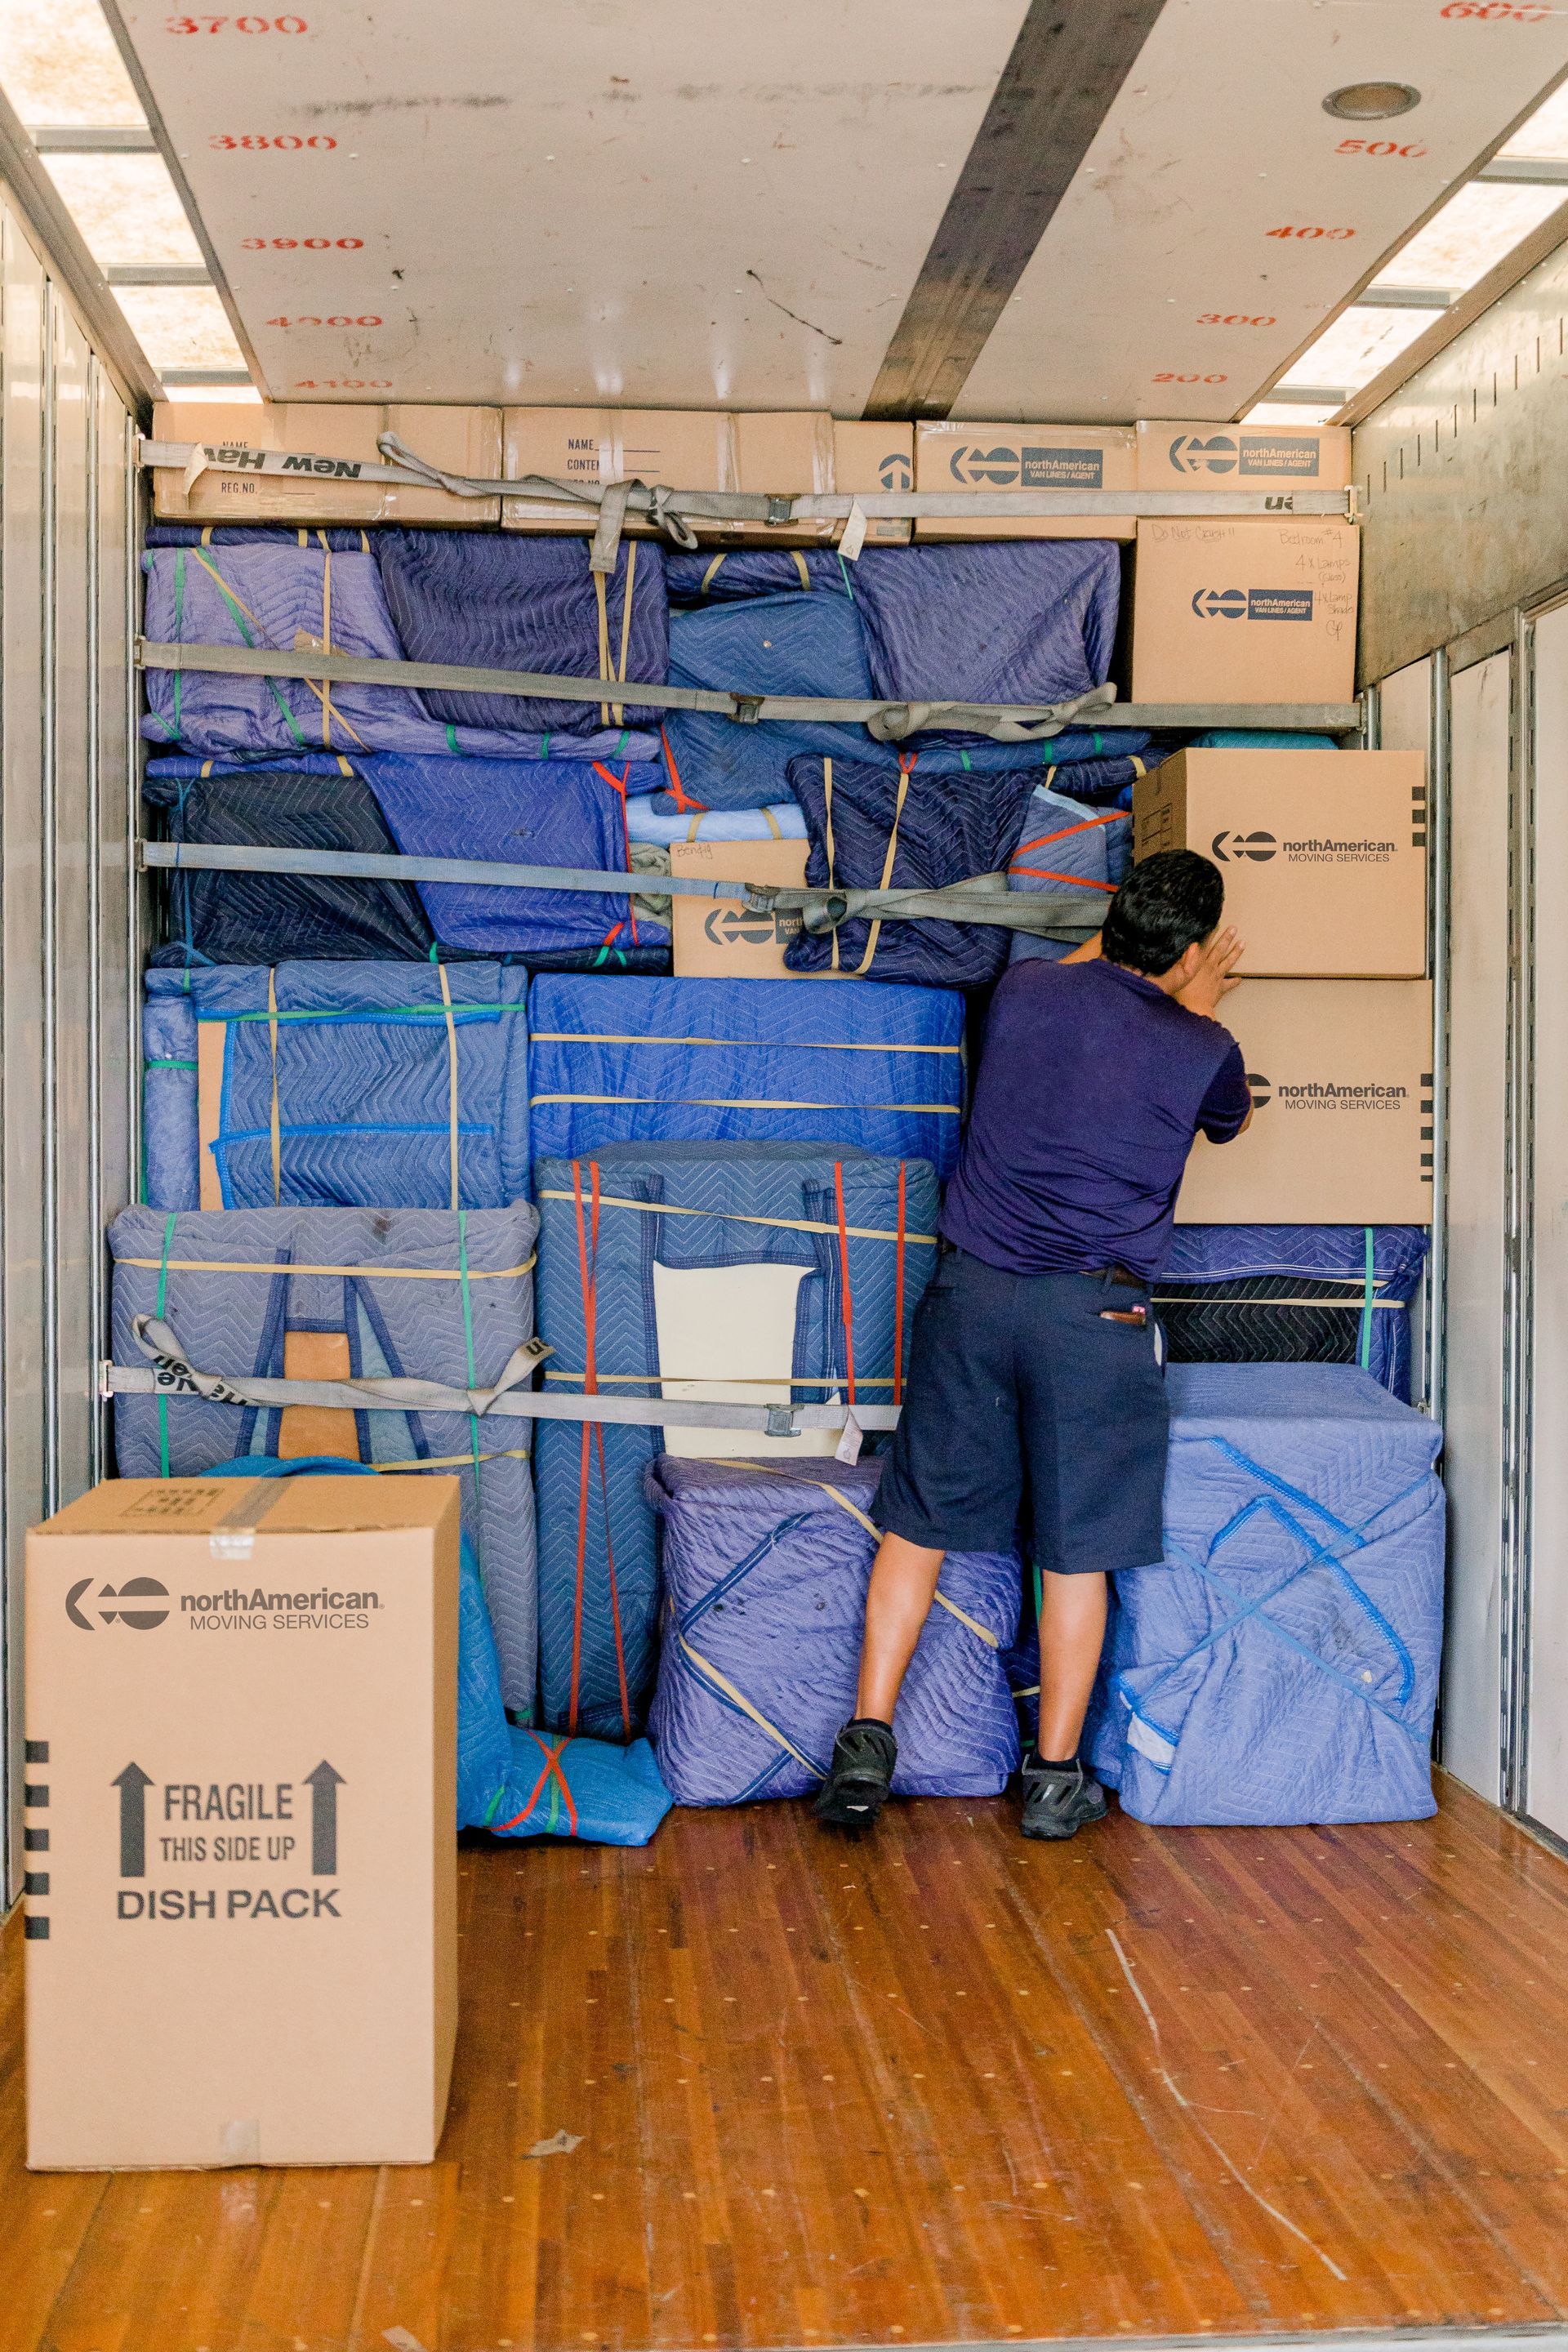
1033	1360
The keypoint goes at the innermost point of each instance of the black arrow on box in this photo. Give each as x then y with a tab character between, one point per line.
323	1784
132	1785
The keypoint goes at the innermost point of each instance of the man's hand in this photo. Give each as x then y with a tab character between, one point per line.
1215	975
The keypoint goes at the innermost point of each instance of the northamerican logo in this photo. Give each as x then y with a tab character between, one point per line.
141	1592
1253	604
1034	467
1227	846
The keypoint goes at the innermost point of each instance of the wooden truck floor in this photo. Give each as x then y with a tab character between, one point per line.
942	2086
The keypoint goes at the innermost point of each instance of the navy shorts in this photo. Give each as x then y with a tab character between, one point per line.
1039	1385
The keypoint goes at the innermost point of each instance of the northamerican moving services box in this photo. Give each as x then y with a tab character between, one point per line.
458	440
1246	611
1323	854
1176	457
879	457
722	938
239	1807
951	457
1341	1072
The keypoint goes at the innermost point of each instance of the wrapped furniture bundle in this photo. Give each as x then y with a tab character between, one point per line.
765	1570
1293	1295
752	1273
1282	1665
390	1085
339	1294
732	1061
1066	844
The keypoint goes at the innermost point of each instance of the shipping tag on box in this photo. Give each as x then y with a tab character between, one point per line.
876	458
1248	610
1340	1073
1323	854
723	939
239	1823
951	457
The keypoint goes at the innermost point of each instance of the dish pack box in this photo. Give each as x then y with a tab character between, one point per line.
458	440
1248	610
953	456
1341	1073
721	939
1186	456
877	458
685	449
1323	854
790	452
241	1799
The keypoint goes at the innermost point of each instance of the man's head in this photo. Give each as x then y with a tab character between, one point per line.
1162	913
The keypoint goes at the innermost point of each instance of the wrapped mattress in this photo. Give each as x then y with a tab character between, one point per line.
1067	844
765	1573
495	600
1028	620
299	599
284	1294
512	1782
907	827
336	1086
1293	1295
753	1272
1282	1665
734	1061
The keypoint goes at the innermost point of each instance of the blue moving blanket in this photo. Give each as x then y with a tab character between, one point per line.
766	1575
941	828
1282	1666
499	600
1030	620
614	1225
1293	1294
417	1294
792	645
372	1078
732	1061
1067	845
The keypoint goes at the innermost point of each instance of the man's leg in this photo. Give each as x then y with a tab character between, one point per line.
1072	1635
898	1603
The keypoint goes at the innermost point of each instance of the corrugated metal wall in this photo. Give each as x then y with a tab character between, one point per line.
68	1113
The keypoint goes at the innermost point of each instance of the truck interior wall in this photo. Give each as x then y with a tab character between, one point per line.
67	1058
1546	1718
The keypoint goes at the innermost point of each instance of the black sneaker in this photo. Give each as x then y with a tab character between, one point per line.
856	1789
1058	1804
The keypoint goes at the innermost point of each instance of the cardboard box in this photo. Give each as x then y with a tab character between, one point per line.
953	456
875	457
460	440
240	1795
788	452
719	939
1245	611
1187	456
684	449
1323	854
1341	1072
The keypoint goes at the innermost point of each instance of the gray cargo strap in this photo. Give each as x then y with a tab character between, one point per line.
984	898
889	722
170	1373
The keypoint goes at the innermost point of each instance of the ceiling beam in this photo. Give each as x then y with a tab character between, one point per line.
1068	65
1535	171
159	273
92	138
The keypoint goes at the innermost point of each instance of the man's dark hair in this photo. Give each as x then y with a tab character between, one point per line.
1166	902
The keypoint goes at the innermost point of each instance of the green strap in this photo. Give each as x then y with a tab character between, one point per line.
1363	1350
237	617
162	1301
452	740
469	1344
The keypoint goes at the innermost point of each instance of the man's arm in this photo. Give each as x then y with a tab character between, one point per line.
1226	1111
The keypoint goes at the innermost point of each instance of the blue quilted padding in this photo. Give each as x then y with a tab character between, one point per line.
504	602
766	1575
274	918
558	813
1005	621
1284	1259
645	822
1067	845
704	577
363	1072
343	538
289	598
952	827
766	645
734	1061
1282	1665
598	1560
420	1293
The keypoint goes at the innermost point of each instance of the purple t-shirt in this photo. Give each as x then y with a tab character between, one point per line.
1092	1086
